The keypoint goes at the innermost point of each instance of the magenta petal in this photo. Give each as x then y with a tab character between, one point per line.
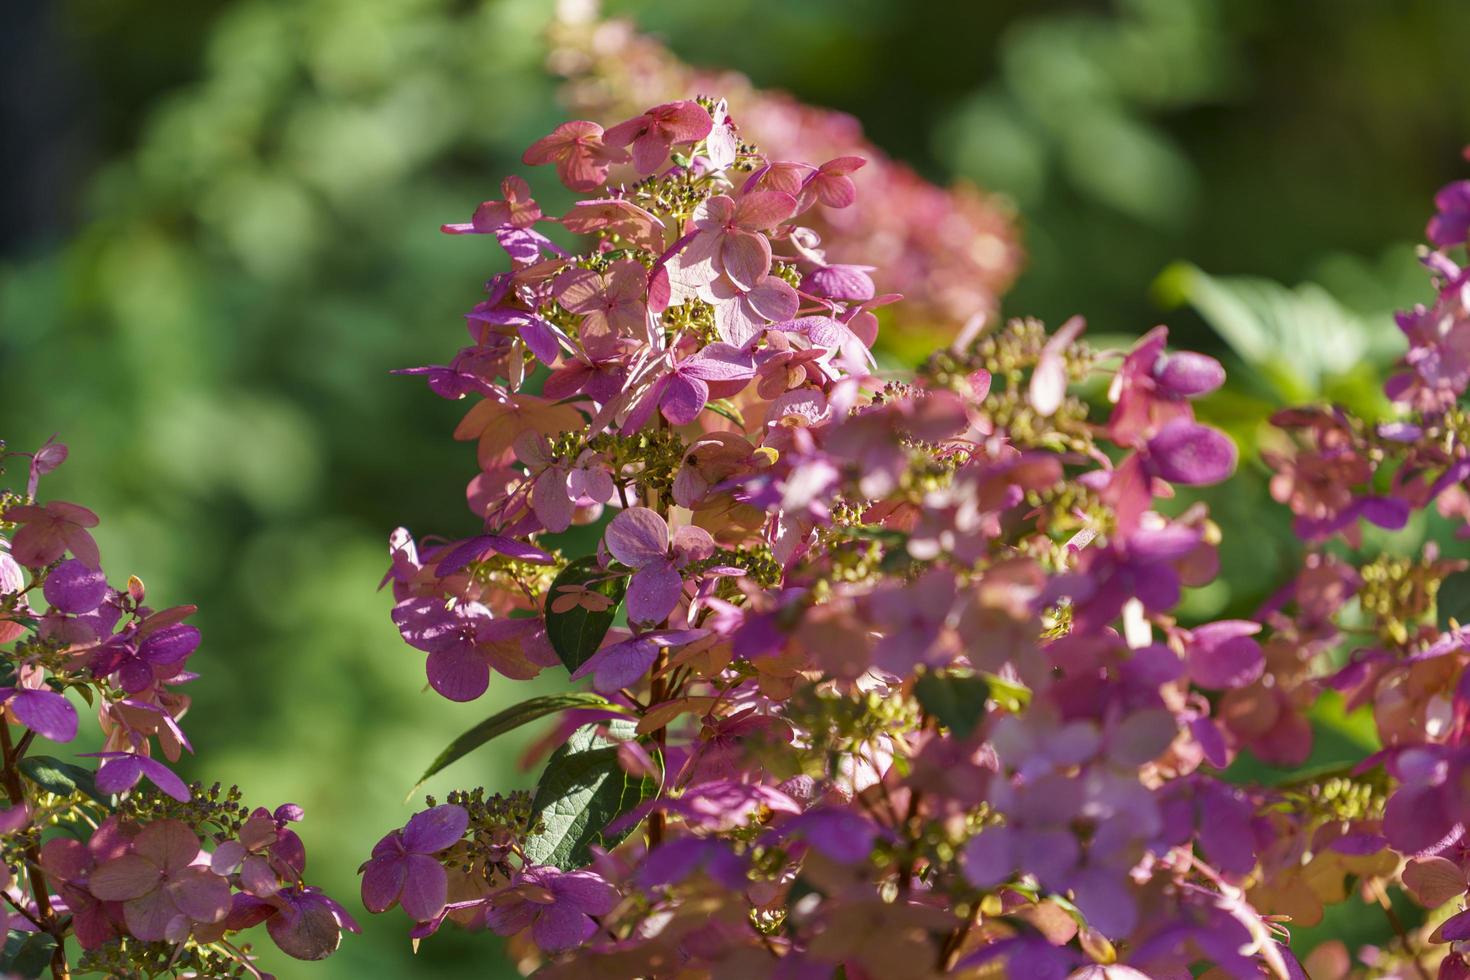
1217	662
433	830
1185	374
653	592
46	713
425	889
559	927
458	673
1192	454
382	882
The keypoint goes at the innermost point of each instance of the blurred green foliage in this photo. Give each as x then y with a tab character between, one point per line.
258	246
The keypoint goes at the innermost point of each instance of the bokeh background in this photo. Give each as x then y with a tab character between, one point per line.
219	232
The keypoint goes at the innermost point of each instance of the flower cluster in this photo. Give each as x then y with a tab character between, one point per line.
952	251
888	678
147	875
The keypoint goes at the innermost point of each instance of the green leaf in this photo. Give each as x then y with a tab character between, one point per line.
61	778
1297	338
1453	600
582	791
27	954
957	700
508	720
576	633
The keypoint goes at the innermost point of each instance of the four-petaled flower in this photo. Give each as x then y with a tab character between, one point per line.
639	538
404	869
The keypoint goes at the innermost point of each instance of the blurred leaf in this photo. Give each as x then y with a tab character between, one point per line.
505	721
1299	339
957	700
576	633
1453	600
584	789
27	954
61	778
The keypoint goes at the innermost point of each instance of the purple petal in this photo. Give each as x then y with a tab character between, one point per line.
164	778
169	645
458	673
382	882
989	857
433	830
46	713
653	592
74	588
119	774
684	398
586	891
425	888
558	928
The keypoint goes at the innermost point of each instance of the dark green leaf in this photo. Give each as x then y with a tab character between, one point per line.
1453	600
27	954
508	720
582	791
61	778
957	700
576	633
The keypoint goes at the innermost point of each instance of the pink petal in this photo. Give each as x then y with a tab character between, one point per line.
684	398
693	543
122	878
719	362
683	122
745	257
200	894
763	210
637	536
169	844
774	299
149	917
649	151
